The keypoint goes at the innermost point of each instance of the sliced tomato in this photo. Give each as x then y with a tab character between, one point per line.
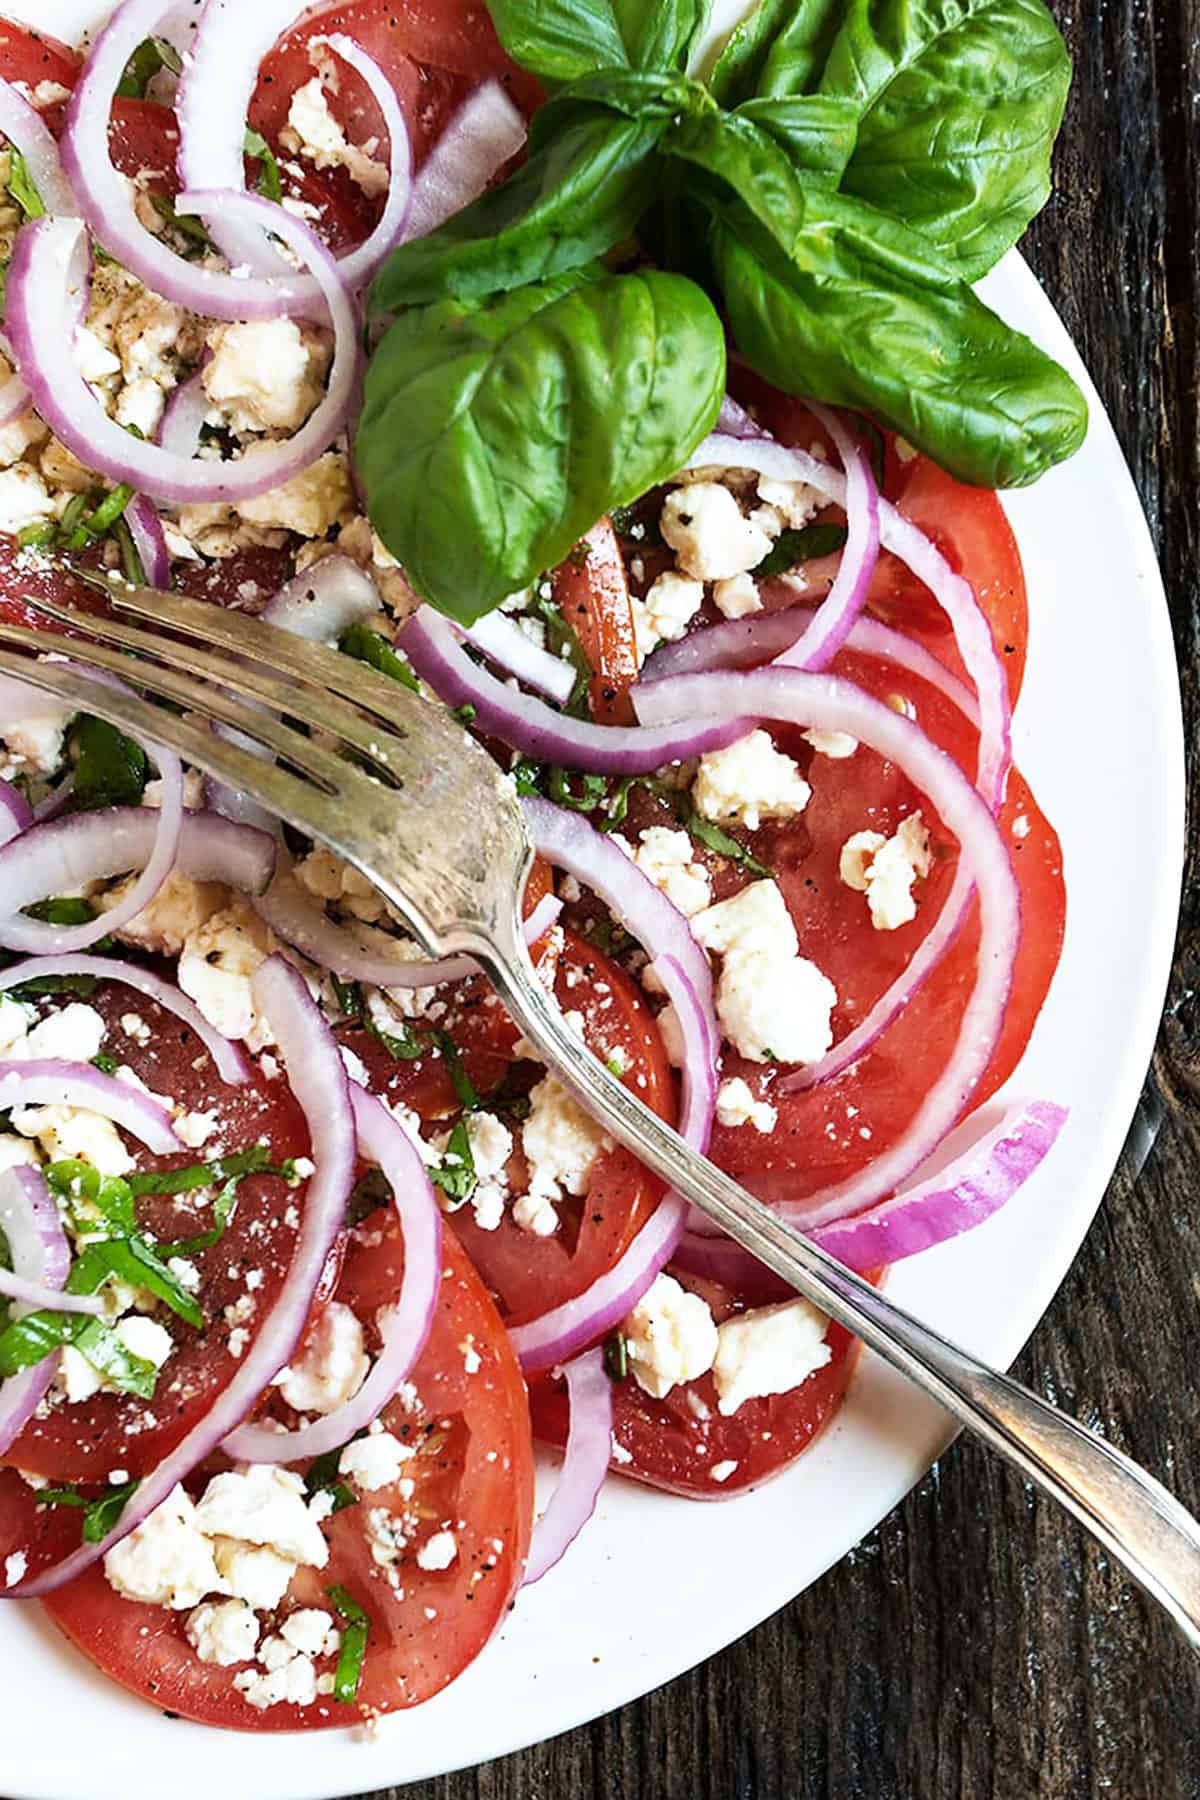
683	1443
143	139
246	580
473	1474
87	1440
528	1275
592	592
33	57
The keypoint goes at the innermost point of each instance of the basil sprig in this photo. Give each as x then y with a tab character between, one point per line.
849	169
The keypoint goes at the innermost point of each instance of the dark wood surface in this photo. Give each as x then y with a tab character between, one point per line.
974	1648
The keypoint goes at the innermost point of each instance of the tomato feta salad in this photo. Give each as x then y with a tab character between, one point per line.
686	507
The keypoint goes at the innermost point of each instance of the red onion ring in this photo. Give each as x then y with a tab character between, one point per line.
48	274
54	1081
40	1254
381	1141
504	643
836	615
184	415
16	814
484	133
37	1294
585	1464
432	646
212	102
150	541
970	1190
228	1059
62	854
105	202
318	1080
27	131
324	600
828	703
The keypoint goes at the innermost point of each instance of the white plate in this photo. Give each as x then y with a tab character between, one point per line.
656	1584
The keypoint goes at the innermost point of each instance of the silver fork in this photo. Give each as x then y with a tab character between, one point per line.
439	831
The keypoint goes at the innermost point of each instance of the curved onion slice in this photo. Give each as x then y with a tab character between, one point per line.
106	203
39	1253
385	1143
504	643
970	1190
585	1464
212	102
184	415
15	812
49	272
150	541
324	600
53	1081
228	1059
432	646
64	854
827	703
835	617
484	133
27	131
35	1293
765	637
318	1080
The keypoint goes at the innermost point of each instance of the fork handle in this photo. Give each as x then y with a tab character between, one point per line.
1130	1512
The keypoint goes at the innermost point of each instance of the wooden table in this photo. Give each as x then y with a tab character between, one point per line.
974	1646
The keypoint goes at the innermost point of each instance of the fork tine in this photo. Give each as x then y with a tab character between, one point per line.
370	740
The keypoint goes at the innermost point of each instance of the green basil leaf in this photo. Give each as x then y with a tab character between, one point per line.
132	1260
151	56
660	34
255	1160
460	1081
348	1672
493	439
370	647
67	909
455	1174
818	131
26	1341
110	769
223	1210
563	39
269	182
22	187
577	195
961	101
779	49
103	1513
806	544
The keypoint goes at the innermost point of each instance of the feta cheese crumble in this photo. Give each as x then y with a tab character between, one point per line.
884	869
736	1105
710	535
771	1002
670	1337
749	781
332	1365
770	1350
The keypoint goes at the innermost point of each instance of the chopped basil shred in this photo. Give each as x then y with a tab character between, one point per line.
349	1669
323	1478
22	187
616	1356
110	768
805	545
269	184
369	647
455	1174
152	55
99	1515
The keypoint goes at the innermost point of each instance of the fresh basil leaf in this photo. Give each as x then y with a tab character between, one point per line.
563	39
722	844
103	1513
222	1211
269	182
349	996
28	1340
110	768
131	1259
80	987
152	55
369	647
592	789
778	49
352	1653
455	1174
460	1081
22	187
805	545
63	910
255	1160
188	227
83	1191
961	101
405	1045
575	197
830	296
492	439
818	131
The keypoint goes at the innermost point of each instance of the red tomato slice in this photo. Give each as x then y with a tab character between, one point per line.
676	1443
87	1440
473	1474
592	593
145	136
526	1274
33	57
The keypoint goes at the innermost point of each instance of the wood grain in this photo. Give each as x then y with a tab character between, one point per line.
973	1648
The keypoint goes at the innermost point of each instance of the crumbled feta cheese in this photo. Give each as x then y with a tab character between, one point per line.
885	869
438	1552
311	503
75	1378
265	375
721	1471
36	742
487	1203
216	966
24	500
835	744
387	1536
736	1105
670	1337
668	858
709	534
15	1567
141	403
737	597
670	605
15	1153
310	1631
316	135
263	1505
536	1214
180	908
293	1683
770	1350
560	1142
195	1128
253	1573
74	1033
491	1144
166	1560
223	1632
146	1338
20	434
93	359
771	1002
755	921
374	1461
749	781
794	501
332	1364
66	1133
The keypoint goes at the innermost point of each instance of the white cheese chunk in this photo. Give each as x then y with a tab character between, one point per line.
770	1350
263	1505
224	1632
773	1004
835	744
737	597
561	1143
885	869
264	375
332	1366
749	781
166	1560
320	139
670	1337
669	859
374	1461
669	607
439	1551
710	535
24	499
736	1105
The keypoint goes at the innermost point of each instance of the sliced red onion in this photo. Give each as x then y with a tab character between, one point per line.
27	131
53	804
212	102
15	399
504	643
107	204
828	703
358	952
228	1058
318	1080
481	137
15	812
149	540
66	854
184	415
37	1294
324	600
766	637
837	613
39	1253
432	646
385	1143
975	1185
53	1081
585	1464
48	275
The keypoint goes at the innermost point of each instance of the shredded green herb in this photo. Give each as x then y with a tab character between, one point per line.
369	647
348	1673
152	55
616	1356
455	1174
269	183
99	1515
805	545
22	187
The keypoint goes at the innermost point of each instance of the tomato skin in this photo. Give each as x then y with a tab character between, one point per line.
592	592
145	135
474	1468
32	57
